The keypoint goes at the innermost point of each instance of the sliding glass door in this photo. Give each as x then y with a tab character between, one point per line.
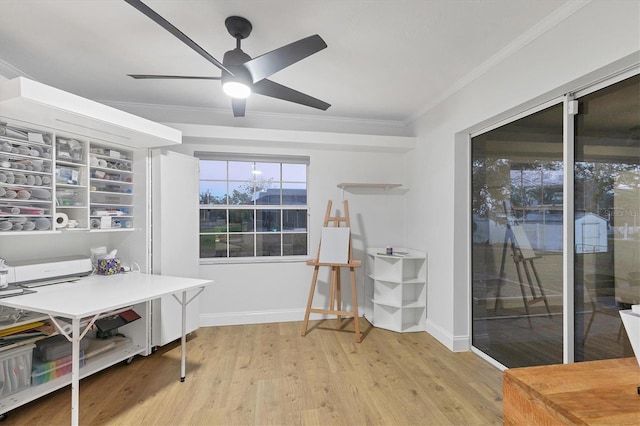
517	304
607	223
518	195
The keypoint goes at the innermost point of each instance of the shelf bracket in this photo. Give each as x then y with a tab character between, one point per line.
200	290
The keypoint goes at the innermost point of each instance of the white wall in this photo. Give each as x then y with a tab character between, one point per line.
589	44
269	292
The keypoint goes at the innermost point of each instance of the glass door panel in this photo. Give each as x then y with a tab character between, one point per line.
517	195
607	218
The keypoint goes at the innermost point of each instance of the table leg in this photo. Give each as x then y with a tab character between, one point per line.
75	371
183	341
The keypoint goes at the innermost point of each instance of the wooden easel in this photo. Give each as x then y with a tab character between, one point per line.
523	256
335	298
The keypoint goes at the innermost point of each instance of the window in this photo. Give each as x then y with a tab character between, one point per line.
252	206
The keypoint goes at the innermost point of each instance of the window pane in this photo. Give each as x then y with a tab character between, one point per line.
294	244
294	172
212	192
268	171
213	245
268	245
268	220
294	220
213	220
241	245
517	240
240	170
240	193
213	170
607	222
240	220
294	194
268	196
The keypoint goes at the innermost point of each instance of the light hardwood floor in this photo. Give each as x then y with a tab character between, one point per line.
268	374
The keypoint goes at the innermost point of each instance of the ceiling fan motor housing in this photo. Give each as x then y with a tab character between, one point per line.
233	60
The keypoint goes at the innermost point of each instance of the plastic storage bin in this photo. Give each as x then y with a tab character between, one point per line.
45	371
55	347
15	369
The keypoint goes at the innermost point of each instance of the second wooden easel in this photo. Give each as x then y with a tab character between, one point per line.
335	298
523	255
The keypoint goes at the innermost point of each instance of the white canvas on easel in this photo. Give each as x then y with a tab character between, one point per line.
334	245
523	242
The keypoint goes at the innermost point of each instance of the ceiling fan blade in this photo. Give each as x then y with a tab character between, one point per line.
176	32
239	106
264	65
275	90
170	77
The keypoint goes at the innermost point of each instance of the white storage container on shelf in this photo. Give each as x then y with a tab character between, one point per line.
15	369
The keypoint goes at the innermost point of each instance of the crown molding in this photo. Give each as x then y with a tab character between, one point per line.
549	22
222	116
10	72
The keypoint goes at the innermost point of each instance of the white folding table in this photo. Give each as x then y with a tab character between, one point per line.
95	295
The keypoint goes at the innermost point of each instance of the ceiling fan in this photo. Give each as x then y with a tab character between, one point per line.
242	75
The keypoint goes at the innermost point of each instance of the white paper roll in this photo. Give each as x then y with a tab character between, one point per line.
95	223
102	163
61	220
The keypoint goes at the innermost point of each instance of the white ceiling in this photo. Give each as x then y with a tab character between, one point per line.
387	60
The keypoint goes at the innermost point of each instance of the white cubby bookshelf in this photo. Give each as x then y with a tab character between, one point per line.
396	287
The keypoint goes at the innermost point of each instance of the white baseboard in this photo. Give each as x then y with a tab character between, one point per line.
257	317
453	343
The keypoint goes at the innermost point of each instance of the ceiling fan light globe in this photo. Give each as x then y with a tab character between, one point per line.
236	89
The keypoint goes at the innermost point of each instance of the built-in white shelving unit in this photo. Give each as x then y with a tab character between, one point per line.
397	288
66	157
67	163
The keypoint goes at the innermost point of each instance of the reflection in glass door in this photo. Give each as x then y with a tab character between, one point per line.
607	218
517	180
518	237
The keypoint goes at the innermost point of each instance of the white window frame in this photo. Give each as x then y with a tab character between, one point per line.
230	157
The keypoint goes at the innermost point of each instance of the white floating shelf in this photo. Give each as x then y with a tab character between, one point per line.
370	188
369	185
